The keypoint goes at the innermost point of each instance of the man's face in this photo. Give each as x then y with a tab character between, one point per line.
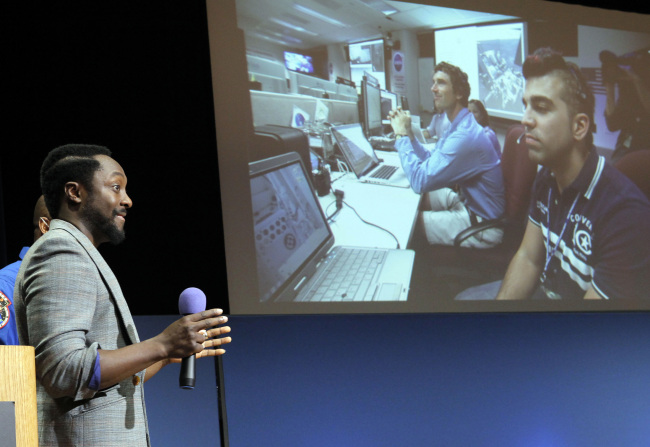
548	121
444	97
105	210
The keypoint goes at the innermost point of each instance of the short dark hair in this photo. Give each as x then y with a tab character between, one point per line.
576	93
484	119
459	80
71	162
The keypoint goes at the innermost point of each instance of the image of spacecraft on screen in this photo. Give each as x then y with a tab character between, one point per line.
501	81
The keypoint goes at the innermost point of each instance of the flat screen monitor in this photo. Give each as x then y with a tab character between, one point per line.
300	63
367	58
388	103
372	117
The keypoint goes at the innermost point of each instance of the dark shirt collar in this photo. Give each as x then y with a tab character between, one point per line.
588	177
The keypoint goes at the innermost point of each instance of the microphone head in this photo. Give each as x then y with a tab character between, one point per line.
191	301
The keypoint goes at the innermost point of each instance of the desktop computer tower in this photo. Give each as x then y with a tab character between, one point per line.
271	140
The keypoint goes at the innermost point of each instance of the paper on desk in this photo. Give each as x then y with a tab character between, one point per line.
322	111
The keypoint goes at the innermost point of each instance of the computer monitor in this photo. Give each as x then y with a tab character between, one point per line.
371	97
298	62
388	103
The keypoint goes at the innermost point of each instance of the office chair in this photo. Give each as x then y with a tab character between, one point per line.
636	165
484	265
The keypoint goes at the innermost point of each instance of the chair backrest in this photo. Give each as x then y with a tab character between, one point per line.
636	166
518	174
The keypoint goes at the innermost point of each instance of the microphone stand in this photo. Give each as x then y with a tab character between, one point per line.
221	402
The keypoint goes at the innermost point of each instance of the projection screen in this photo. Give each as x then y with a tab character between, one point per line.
256	121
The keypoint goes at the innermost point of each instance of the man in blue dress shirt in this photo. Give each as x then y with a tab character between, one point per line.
462	177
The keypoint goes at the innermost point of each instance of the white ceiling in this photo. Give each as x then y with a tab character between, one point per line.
282	22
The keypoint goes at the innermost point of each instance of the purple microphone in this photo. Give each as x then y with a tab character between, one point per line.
191	301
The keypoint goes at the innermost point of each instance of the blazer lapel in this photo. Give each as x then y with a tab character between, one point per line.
107	274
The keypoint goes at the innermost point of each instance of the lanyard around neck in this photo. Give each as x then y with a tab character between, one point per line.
550	251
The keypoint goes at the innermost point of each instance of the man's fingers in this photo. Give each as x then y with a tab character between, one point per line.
217	342
206	314
210	353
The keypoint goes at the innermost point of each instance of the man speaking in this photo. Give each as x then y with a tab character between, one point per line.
90	363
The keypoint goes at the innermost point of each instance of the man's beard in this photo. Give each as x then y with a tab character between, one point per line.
104	224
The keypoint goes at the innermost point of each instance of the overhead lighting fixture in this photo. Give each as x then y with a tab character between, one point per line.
299	29
317	15
282	40
381	6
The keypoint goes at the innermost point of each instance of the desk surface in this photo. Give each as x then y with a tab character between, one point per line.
394	209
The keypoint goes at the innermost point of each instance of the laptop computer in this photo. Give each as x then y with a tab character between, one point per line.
294	245
363	160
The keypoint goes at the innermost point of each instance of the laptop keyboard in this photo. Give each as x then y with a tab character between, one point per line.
348	276
385	171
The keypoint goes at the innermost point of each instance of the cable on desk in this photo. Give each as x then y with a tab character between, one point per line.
342	168
369	223
339	203
330	218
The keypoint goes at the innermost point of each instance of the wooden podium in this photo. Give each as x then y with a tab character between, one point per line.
18	384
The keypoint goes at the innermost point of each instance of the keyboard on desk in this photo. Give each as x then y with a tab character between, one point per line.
348	276
385	171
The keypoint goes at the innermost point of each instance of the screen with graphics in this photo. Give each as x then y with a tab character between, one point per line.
298	62
492	56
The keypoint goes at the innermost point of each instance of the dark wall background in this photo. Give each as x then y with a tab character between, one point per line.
134	76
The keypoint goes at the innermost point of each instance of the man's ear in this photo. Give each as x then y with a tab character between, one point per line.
43	224
73	191
581	126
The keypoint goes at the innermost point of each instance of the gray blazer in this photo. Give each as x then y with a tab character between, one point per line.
68	304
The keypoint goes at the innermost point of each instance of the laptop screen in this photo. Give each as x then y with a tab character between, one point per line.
355	147
289	225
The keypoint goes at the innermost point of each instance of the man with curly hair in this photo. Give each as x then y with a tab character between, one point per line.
462	175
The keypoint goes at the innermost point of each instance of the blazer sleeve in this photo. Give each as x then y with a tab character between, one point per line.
62	286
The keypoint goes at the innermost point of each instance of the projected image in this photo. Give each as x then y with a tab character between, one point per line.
356	138
492	56
501	81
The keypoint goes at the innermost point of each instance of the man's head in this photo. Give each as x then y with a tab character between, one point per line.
72	162
84	185
559	107
450	87
41	219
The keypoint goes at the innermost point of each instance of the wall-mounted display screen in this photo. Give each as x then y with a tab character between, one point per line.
298	62
367	57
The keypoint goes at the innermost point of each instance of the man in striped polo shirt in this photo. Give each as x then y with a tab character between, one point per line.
587	232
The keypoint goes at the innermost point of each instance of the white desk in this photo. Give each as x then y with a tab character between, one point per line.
394	209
